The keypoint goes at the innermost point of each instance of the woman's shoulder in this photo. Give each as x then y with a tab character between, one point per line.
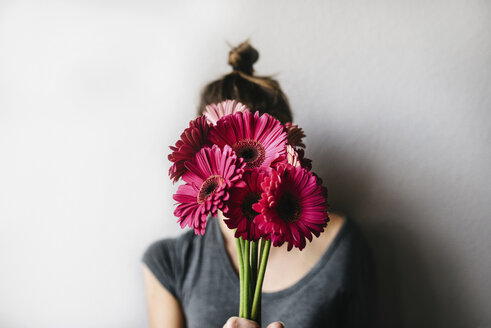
344	243
168	258
170	249
353	253
184	244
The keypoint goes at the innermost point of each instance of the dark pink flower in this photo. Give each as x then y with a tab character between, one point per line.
192	140
304	161
214	112
209	176
295	135
292	207
240	213
258	140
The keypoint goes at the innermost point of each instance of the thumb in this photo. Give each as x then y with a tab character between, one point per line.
277	324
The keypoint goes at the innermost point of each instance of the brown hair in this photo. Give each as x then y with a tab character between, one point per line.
259	93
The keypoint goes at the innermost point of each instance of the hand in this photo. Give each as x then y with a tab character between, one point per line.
236	322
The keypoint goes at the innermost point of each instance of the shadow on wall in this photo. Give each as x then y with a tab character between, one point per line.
413	278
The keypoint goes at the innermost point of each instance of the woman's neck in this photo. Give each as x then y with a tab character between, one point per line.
319	243
228	234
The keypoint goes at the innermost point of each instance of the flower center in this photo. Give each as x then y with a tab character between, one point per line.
209	187
251	151
247	203
288	208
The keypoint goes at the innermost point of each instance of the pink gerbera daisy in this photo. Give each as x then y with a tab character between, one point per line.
192	140
292	207
209	176
258	140
240	213
214	112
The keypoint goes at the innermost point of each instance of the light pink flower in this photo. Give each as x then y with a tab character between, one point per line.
214	112
294	157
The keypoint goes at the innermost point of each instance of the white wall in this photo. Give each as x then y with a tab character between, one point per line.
394	97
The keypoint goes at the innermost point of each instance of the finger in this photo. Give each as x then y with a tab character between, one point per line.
277	324
236	322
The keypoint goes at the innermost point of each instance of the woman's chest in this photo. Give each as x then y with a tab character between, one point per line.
286	270
307	307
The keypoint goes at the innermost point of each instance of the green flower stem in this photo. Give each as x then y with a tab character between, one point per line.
242	280
262	249
254	245
256	304
247	278
238	245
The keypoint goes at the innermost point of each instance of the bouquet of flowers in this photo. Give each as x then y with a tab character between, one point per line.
252	168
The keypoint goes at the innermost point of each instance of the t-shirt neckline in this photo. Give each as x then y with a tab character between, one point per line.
229	268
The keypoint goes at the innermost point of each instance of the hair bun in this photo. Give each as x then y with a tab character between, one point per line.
242	58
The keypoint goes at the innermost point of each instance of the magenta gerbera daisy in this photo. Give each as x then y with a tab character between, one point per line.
209	176
214	112
258	140
240	213
292	207
192	140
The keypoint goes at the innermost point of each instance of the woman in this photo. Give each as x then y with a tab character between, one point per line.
192	281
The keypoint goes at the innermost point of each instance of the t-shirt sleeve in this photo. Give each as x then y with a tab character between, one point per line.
160	258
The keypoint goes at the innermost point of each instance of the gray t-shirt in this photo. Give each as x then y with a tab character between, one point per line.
339	291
